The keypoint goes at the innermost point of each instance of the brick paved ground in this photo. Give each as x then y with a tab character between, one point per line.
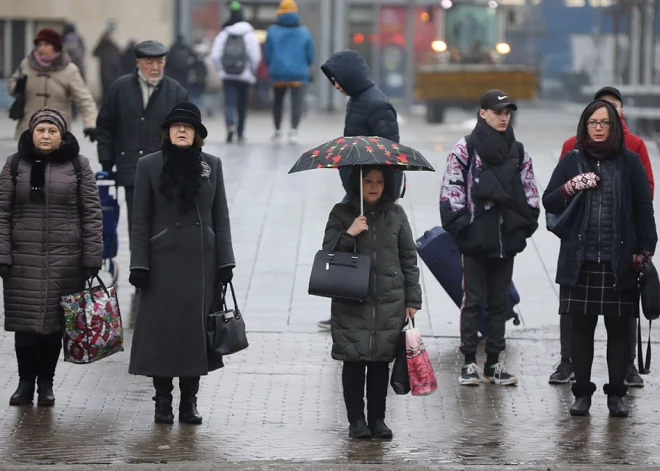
278	405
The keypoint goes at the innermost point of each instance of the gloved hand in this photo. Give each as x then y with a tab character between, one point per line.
91	272
5	271
91	133
224	275
584	181
139	278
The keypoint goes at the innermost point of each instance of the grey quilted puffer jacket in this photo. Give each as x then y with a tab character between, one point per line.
47	241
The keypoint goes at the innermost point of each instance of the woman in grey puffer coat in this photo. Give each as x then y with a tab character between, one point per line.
365	334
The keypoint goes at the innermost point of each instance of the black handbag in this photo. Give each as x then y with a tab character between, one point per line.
649	290
400	381
225	328
562	224
17	109
340	274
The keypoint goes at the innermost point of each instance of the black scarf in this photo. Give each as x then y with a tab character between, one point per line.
599	150
182	175
492	146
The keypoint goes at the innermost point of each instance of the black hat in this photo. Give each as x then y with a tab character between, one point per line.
496	100
185	112
608	91
150	49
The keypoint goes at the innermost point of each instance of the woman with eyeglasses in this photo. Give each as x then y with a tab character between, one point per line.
613	233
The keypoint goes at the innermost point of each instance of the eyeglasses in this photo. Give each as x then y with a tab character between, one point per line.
603	124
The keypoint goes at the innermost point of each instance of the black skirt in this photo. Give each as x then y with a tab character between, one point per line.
594	294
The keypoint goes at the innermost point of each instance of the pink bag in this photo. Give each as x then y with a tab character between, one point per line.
420	371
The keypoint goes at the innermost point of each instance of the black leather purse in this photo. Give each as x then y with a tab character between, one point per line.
649	290
225	329
340	274
562	224
17	110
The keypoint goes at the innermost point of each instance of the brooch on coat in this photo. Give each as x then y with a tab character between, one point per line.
206	170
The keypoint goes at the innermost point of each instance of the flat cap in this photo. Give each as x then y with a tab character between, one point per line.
150	49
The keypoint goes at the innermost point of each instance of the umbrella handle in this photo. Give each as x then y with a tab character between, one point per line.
361	194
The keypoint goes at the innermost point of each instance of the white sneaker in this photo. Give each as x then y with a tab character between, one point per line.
293	136
277	136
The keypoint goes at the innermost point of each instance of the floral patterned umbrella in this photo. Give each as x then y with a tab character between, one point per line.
361	150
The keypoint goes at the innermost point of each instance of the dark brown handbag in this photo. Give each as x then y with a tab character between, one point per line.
17	110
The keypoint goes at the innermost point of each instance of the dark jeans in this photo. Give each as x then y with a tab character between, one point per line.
345	175
566	330
297	97
129	191
37	355
189	386
353	379
618	347
236	103
490	278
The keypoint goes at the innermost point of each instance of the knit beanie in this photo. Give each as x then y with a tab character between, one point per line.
50	115
287	6
235	6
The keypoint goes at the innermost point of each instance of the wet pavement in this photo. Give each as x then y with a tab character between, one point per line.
278	405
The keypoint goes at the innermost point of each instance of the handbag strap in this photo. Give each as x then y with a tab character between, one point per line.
101	284
644	367
233	296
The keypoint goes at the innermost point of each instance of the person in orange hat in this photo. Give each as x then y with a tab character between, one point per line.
289	52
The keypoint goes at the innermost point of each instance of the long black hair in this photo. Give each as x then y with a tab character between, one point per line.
615	139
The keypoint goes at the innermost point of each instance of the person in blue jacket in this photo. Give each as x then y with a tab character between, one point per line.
289	51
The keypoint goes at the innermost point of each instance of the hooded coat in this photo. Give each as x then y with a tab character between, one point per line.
370	330
182	250
633	227
252	49
47	242
55	86
289	50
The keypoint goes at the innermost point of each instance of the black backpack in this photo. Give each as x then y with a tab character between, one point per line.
235	57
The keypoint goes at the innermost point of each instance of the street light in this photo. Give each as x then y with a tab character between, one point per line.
503	48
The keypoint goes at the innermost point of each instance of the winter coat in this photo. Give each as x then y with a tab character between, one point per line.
252	49
48	242
458	208
109	56
182	253
370	330
54	86
289	50
634	222
600	218
75	47
369	111
633	143
126	131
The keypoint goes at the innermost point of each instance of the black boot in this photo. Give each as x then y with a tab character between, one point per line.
582	393
615	402
45	397
188	413
163	412
359	429
379	429
24	395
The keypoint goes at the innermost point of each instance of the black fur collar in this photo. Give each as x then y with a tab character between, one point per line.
68	150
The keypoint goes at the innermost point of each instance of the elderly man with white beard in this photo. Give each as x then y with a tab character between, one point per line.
128	124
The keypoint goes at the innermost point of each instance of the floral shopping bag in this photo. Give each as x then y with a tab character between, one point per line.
420	371
92	324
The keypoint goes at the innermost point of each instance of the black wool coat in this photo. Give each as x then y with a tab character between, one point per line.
126	130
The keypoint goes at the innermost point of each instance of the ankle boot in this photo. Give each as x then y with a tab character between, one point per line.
24	394
163	413
582	393
45	397
615	404
188	411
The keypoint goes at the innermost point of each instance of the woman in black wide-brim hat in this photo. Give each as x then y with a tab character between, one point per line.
180	250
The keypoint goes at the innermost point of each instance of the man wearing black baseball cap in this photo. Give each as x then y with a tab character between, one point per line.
564	371
490	203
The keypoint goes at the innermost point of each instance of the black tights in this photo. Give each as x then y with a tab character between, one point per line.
618	347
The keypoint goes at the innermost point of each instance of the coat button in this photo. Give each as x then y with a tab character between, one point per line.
177	225
197	224
141	152
122	153
142	118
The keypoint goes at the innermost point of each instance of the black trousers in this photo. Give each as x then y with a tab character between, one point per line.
353	379
618	348
37	356
297	98
566	330
189	386
490	278
129	191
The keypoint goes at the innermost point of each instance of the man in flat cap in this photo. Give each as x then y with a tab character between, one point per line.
128	124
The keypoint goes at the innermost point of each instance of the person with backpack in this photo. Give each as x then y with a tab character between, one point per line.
490	204
180	63
51	241
236	54
289	52
564	373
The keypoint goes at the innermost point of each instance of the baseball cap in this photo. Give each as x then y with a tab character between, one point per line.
608	91
496	100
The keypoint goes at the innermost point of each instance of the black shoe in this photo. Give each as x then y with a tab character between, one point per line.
241	139
45	396
230	136
497	374
379	429
470	375
324	325
563	374
359	429
24	395
617	407
163	413
188	412
581	406
633	379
